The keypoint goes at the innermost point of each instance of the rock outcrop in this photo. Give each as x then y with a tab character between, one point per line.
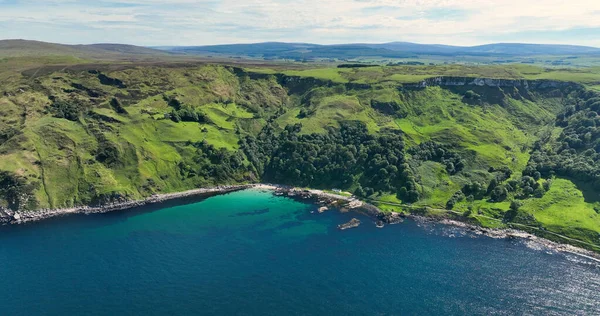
391	218
492	82
351	224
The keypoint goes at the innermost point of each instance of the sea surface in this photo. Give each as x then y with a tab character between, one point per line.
252	253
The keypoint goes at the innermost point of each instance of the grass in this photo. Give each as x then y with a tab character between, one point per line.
563	209
330	111
485	132
333	74
60	155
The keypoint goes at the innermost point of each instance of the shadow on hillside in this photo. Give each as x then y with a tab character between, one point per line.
590	194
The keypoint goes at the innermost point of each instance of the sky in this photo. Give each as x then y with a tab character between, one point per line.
205	22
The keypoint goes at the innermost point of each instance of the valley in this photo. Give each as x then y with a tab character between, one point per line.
498	145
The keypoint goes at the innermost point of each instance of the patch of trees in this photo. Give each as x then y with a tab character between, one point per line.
107	153
305	113
410	63
523	188
172	102
339	158
432	151
187	114
515	215
356	65
500	188
184	113
66	110
456	197
216	164
389	108
576	152
15	191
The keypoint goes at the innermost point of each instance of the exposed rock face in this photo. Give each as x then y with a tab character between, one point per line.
6	215
351	224
490	82
391	218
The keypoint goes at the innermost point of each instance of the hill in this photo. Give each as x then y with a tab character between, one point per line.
498	49
389	50
495	146
297	51
26	48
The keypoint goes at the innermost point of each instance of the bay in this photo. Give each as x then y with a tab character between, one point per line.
253	253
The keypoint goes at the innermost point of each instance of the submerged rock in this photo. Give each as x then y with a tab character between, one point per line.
351	224
323	209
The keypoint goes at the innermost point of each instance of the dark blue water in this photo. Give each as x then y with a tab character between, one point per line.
251	253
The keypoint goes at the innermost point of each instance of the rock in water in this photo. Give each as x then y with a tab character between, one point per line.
323	209
351	224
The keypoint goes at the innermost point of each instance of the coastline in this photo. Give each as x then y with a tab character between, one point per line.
343	202
508	233
22	217
390	218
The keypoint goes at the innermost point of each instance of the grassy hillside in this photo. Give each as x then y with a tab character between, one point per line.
92	133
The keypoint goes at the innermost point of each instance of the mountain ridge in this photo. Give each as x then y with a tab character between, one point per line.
393	48
294	51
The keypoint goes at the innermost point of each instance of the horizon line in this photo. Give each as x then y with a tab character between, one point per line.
305	43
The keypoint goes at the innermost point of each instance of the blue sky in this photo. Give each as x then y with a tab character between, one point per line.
200	22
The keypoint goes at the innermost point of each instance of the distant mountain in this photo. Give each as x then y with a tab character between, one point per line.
532	49
291	50
392	50
434	49
12	48
294	51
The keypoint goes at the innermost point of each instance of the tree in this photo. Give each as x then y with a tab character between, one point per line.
493	184
359	191
539	192
515	205
499	194
66	110
513	211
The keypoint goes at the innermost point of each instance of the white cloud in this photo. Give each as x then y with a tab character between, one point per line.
325	21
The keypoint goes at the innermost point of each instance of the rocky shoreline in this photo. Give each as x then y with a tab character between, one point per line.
346	203
342	202
20	217
508	233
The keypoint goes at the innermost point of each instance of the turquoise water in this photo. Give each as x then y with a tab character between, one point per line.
251	253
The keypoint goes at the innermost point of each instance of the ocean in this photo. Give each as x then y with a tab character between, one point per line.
253	253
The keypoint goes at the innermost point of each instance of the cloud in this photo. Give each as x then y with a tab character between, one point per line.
193	22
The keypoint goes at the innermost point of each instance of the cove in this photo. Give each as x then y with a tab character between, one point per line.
253	253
